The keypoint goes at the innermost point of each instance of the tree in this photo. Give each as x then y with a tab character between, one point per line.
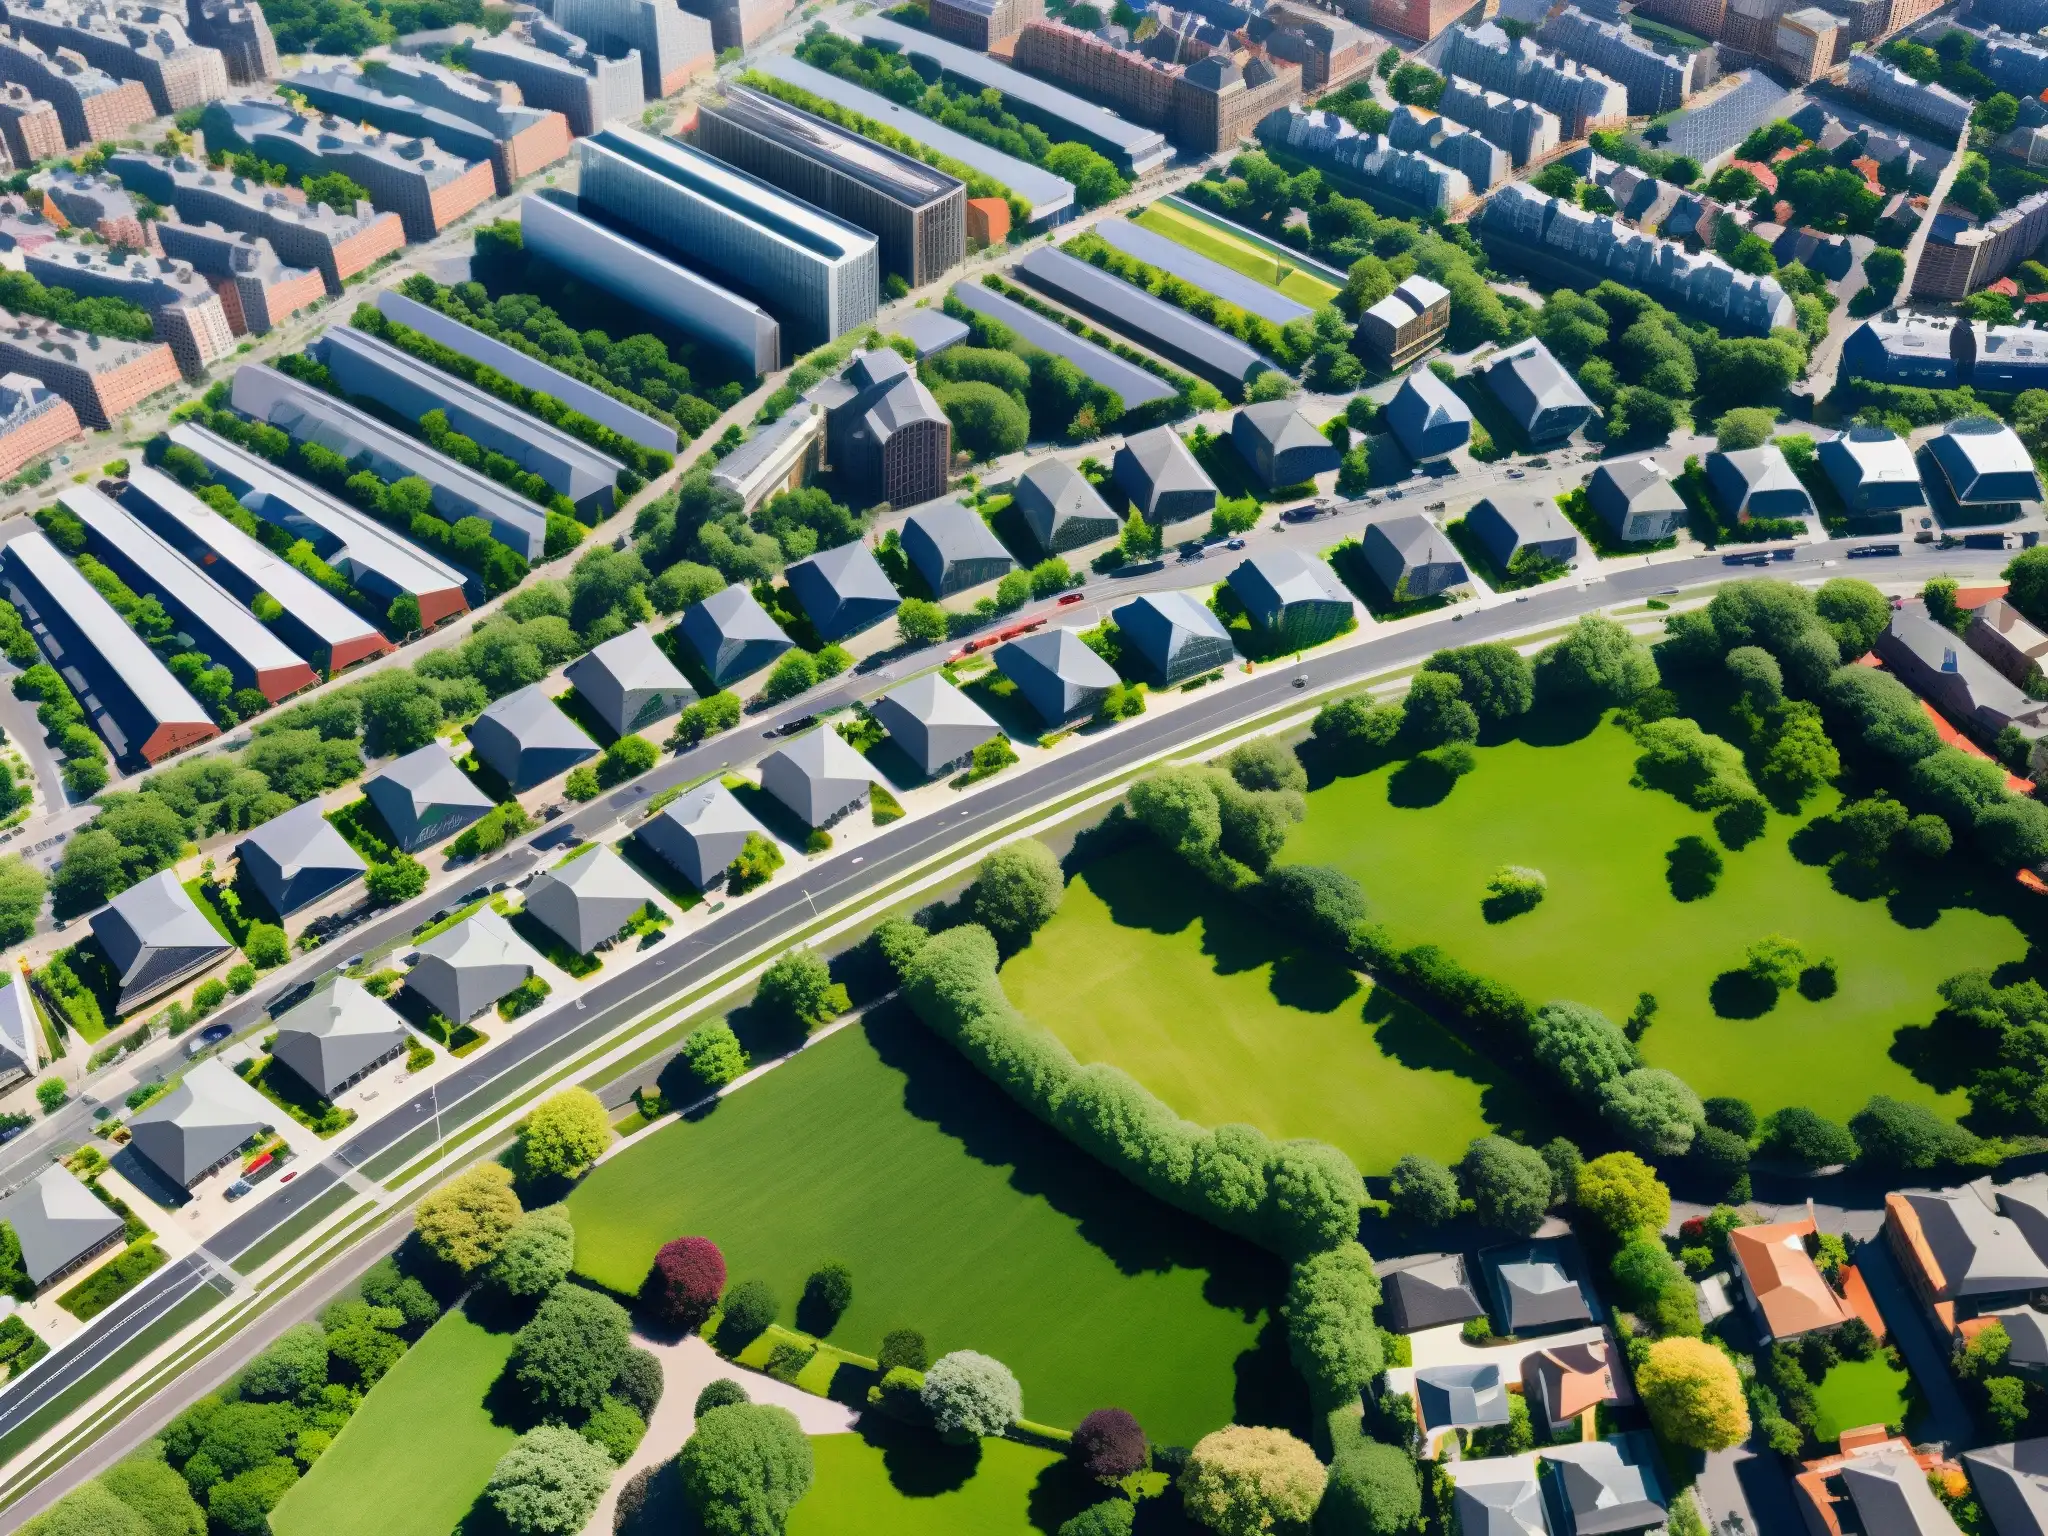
466	1221
293	1369
1331	1337
1598	662
148	1486
1436	711
1327	902
88	1510
1855	612
750	1307
1373	1491
549	1483
1423	1190
1498	681
1094	176
388	884
1692	1394
564	1360
968	1393
1582	1046
565	1134
1622	1192
685	1282
1111	1517
384	1284
759	858
745	1468
714	1055
22	888
1801	758
1885	268
1265	763
1654	1109
1509	1184
797	989
1017	890
241	1504
920	622
1109	1445
1897	1135
719	1392
1241	1481
538	1254
1747	426
988	422
1799	1136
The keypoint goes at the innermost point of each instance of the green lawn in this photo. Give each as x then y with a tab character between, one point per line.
1241	256
962	1217
1860	1392
1215	1011
908	1484
1610	926
419	1449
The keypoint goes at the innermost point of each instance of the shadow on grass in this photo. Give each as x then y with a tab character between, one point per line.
920	1464
1061	1492
1410	1037
1739	995
1419	784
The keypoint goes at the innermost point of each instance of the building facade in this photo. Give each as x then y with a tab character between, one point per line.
1526	131
1583	98
675	47
1656	81
559	71
1960	257
129	42
91	104
981	24
99	377
256	290
32	128
33	420
183	308
240	34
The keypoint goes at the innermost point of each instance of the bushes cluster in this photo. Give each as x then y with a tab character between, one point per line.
1228	832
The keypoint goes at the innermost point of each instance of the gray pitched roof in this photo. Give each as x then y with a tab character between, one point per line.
1891	1495
1606	1490
1461	1396
629	682
155	937
57	1221
732	634
1427	417
200	1123
701	832
1758	482
1270	583
463	970
2011	1481
526	740
934	722
842	590
336	1035
1059	676
589	899
1980	1252
1984	461
818	776
1428	1290
2028	1331
952	547
1534	1287
1530	384
1499	1497
929	331
1280	424
1060	507
1872	467
1174	634
297	858
423	797
1635	485
19	1029
1160	476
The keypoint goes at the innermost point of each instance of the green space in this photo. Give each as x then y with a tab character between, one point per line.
1859	1392
412	1459
960	1216
1241	256
1227	1019
880	1483
1611	928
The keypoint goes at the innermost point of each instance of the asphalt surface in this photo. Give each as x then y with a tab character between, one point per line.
792	901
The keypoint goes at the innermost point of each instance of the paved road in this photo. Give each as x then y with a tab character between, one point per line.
788	904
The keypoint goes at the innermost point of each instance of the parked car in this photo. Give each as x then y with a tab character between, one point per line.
1518	474
1070	597
208	1037
239	1188
1235	544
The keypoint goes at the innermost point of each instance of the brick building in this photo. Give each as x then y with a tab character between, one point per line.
983	23
91	104
182	305
30	124
74	200
1702	18
1207	105
240	34
33	420
1960	257
740	23
99	376
1328	50
1419	19
129	42
559	71
256	289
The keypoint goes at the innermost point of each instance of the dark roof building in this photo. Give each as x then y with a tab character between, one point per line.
526	740
1498	1496
937	726
952	548
1059	676
1609	1487
1428	1290
1412	557
423	797
629	682
337	1037
1534	1288
1510	522
842	590
60	1224
1281	447
155	938
700	833
1173	636
1636	500
1134	385
1536	392
884	430
818	776
297	858
929	331
1872	470
1984	469
465	969
2011	1482
1161	478
1061	508
1935	663
1461	1396
1756	482
586	901
732	634
1156	325
1427	418
201	1124
20	1031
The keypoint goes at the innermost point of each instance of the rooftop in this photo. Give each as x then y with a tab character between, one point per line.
895	176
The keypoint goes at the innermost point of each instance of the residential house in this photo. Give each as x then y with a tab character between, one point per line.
1412	557
842	591
1511	523
1537	393
1172	636
1636	500
465	969
1966	1251
526	740
295	859
1427	1290
155	938
1460	1397
732	634
1061	508
629	682
1780	1281
1292	598
1535	1288
60	1225
1059	676
1566	1381
2002	637
589	900
818	777
423	797
1876	1485
1280	445
1756	483
1158	475
201	1124
700	833
937	726
1605	1487
1935	663
952	548
1427	417
337	1037
1872	470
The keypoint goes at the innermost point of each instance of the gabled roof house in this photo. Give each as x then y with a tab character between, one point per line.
842	590
297	858
1293	598
1159	477
1534	1288
1059	676
1562	1382
818	776
937	726
1427	417
1636	500
1172	636
1280	445
1965	1251
1538	394
155	938
201	1124
732	634
1061	508
1605	1488
463	970
589	899
1936	663
700	833
2011	1483
423	797
20	1030
1412	557
629	683
337	1037
1756	482
1510	522
1784	1287
60	1224
1427	1290
952	548
526	740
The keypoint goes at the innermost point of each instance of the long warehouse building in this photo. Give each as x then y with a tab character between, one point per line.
1162	328
319	625
370	367
221	627
141	709
818	275
313	415
381	563
918	213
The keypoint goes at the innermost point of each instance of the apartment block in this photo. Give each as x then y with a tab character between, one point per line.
98	376
1885	88
1583	98
559	71
1702	18
818	275
1419	19
2021	16
130	42
675	47
1961	257
1806	43
1484	163
981	24
336	243
91	104
33	131
475	118
2015	64
33	420
74	200
1407	323
1656	81
740	23
256	289
1750	27
919	214
1328	50
240	34
426	186
1526	131
182	305
885	431
1333	146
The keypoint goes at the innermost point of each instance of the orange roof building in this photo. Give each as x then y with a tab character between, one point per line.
1567	1380
1785	1287
1876	1484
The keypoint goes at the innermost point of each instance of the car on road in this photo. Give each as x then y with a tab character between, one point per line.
287	1177
1866	551
1235	544
208	1037
1394	495
1070	597
1518	474
467	897
793	727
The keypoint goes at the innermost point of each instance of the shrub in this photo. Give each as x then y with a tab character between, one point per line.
745	1468
714	1055
1774	960
797	988
1732	1115
566	1358
1582	1046
538	1254
1509	1184
640	1381
749	1310
1265	762
1622	1193
1654	1109
828	1292
969	1393
1109	1445
88	1510
1598	662
1498	681
293	1369
1331	1336
719	1392
1512	890
1423	1190
1897	1135
1327	902
149	1487
1643	1271
1112	1517
616	1428
1017	890
1373	1491
565	1134
685	1282
549	1483
1801	1137
1241	1481
902	1348
466	1221
1692	1394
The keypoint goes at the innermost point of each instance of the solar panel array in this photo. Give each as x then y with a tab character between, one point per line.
1705	132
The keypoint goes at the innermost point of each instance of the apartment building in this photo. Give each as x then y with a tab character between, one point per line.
1583	98
99	376
129	42
1888	89
1482	162
1656	81
675	47
982	24
1408	323
1960	257
885	431
1333	146
75	200
1807	41
1419	19
740	23
239	33
33	131
33	419
1526	131
91	104
556	70
1328	50
256	289
183	308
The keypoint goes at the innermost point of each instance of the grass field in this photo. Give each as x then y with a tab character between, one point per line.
1611	927
419	1449
891	1484
1241	256
1219	1014
962	1217
1860	1392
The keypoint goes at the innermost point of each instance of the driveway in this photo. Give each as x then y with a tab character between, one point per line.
1944	1417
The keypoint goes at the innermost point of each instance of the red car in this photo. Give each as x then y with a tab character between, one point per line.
1069	597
